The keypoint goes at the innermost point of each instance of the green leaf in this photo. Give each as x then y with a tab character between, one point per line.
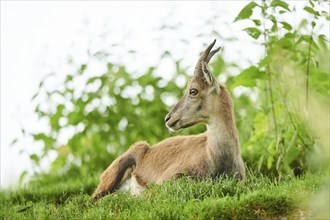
322	40
58	163
35	158
34	96
41	84
22	177
48	141
274	27
270	161
246	12
279	160
166	54
257	22
304	38
218	66
279	3
325	14
82	69
54	118
260	162
314	44
110	66
311	3
92	79
13	142
286	25
311	11
68	78
292	151
249	76
253	32
282	12
265	61
75	142
285	43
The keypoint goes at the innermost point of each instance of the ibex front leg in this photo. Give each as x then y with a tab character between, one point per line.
120	169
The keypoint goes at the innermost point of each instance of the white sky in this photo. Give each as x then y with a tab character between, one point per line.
38	36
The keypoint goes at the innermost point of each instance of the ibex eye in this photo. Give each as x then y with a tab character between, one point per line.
193	92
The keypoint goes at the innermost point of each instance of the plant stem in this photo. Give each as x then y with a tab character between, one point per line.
271	96
268	68
285	104
309	57
308	69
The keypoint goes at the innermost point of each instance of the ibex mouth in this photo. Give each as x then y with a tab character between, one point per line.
172	125
188	125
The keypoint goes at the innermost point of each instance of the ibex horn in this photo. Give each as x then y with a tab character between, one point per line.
206	56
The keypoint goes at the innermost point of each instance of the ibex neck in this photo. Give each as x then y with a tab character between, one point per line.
222	133
221	129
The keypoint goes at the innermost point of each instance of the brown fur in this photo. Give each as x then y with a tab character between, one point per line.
120	169
210	154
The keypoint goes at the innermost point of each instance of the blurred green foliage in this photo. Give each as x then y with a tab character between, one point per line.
116	108
295	65
113	110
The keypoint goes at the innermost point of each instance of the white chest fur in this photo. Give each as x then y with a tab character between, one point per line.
131	185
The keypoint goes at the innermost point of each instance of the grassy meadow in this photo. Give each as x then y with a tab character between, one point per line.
64	197
102	105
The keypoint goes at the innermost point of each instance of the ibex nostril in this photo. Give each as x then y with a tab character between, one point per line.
167	118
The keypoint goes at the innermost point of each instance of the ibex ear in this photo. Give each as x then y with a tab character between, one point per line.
207	74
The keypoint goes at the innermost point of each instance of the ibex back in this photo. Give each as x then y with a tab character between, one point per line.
215	152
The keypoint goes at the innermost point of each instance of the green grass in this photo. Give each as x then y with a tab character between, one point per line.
259	197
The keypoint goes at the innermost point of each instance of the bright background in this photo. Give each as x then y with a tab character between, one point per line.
38	38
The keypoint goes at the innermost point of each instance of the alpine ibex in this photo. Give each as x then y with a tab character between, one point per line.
215	152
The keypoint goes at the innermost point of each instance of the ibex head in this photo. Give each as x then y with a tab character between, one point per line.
198	103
